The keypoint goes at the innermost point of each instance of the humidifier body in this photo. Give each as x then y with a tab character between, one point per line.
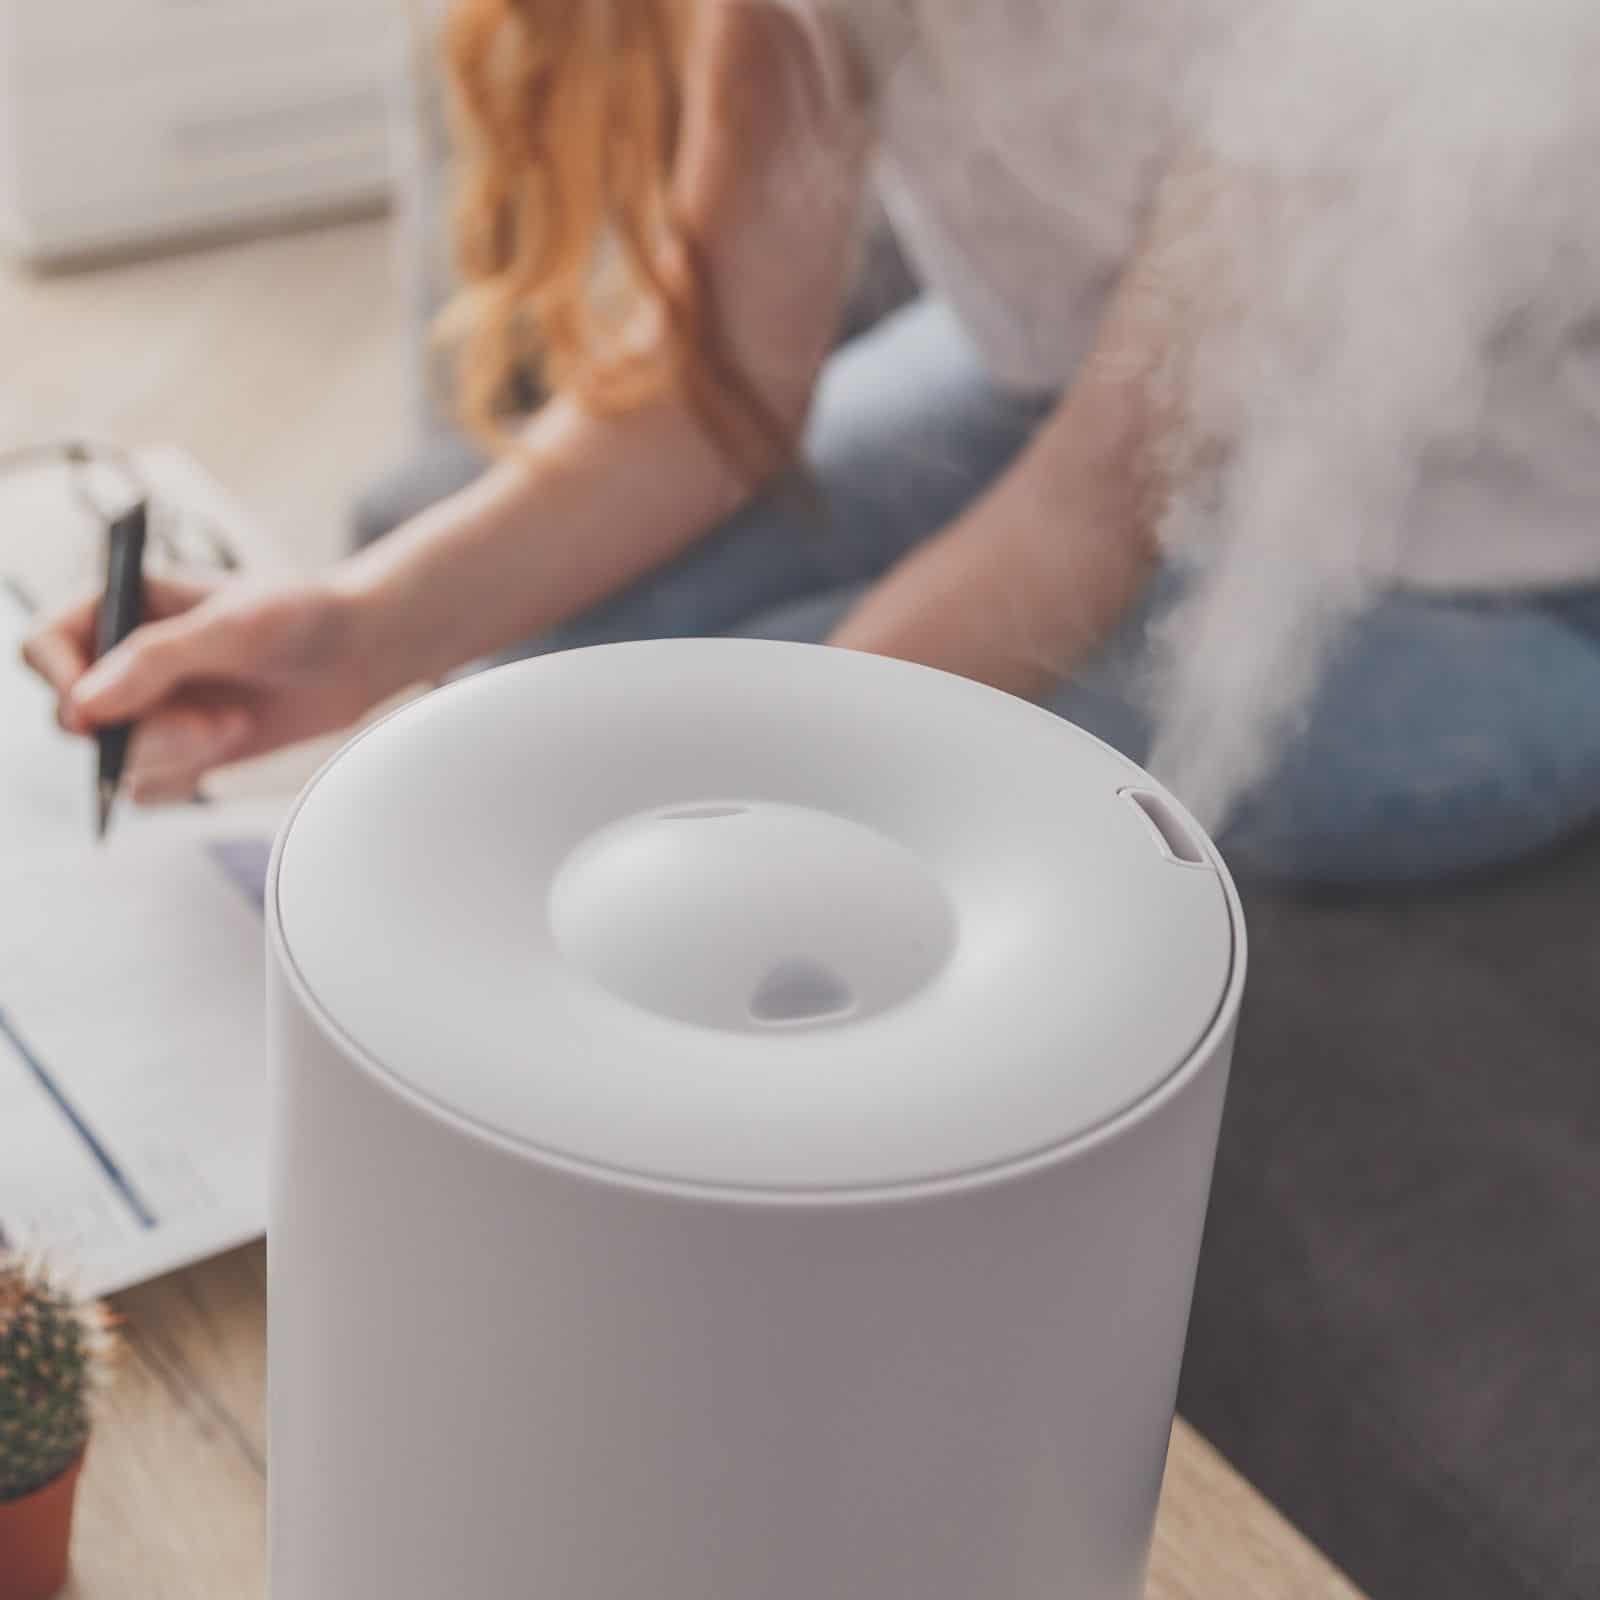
743	1117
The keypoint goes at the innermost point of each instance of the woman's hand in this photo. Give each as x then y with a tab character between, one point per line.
217	673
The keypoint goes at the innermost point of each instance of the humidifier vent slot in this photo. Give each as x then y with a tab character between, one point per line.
702	813
1171	829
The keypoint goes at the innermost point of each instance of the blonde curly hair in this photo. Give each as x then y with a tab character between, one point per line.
575	258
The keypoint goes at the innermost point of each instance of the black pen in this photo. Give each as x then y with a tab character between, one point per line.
120	613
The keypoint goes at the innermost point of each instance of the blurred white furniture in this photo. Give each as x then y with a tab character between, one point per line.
127	122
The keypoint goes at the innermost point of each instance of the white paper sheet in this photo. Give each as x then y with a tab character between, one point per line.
132	1109
132	1129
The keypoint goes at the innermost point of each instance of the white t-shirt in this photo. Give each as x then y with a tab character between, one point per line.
1020	144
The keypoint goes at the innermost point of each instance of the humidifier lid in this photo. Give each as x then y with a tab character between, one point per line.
749	916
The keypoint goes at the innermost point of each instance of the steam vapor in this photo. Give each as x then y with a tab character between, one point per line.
1400	243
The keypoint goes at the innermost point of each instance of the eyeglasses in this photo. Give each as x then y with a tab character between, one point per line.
104	481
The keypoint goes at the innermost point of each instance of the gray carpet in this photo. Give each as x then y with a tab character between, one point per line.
1397	1321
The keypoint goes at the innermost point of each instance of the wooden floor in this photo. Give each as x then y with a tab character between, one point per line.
281	363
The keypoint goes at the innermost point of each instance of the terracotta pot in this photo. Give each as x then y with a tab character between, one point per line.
36	1537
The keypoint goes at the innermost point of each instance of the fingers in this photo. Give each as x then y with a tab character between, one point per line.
175	749
167	597
162	792
62	649
57	654
147	666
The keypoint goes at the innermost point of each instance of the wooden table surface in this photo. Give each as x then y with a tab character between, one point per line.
173	1499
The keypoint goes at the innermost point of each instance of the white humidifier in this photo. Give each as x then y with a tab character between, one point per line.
743	1117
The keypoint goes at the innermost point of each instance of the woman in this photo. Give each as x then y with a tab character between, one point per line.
661	200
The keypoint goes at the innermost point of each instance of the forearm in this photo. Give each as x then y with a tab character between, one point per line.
1037	573
582	508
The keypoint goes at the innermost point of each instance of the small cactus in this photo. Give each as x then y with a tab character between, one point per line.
53	1353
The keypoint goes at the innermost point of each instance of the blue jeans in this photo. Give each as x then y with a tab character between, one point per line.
1449	734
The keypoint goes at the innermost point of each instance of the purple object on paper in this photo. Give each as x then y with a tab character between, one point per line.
244	863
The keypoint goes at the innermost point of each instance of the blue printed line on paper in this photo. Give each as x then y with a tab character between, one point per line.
114	1174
